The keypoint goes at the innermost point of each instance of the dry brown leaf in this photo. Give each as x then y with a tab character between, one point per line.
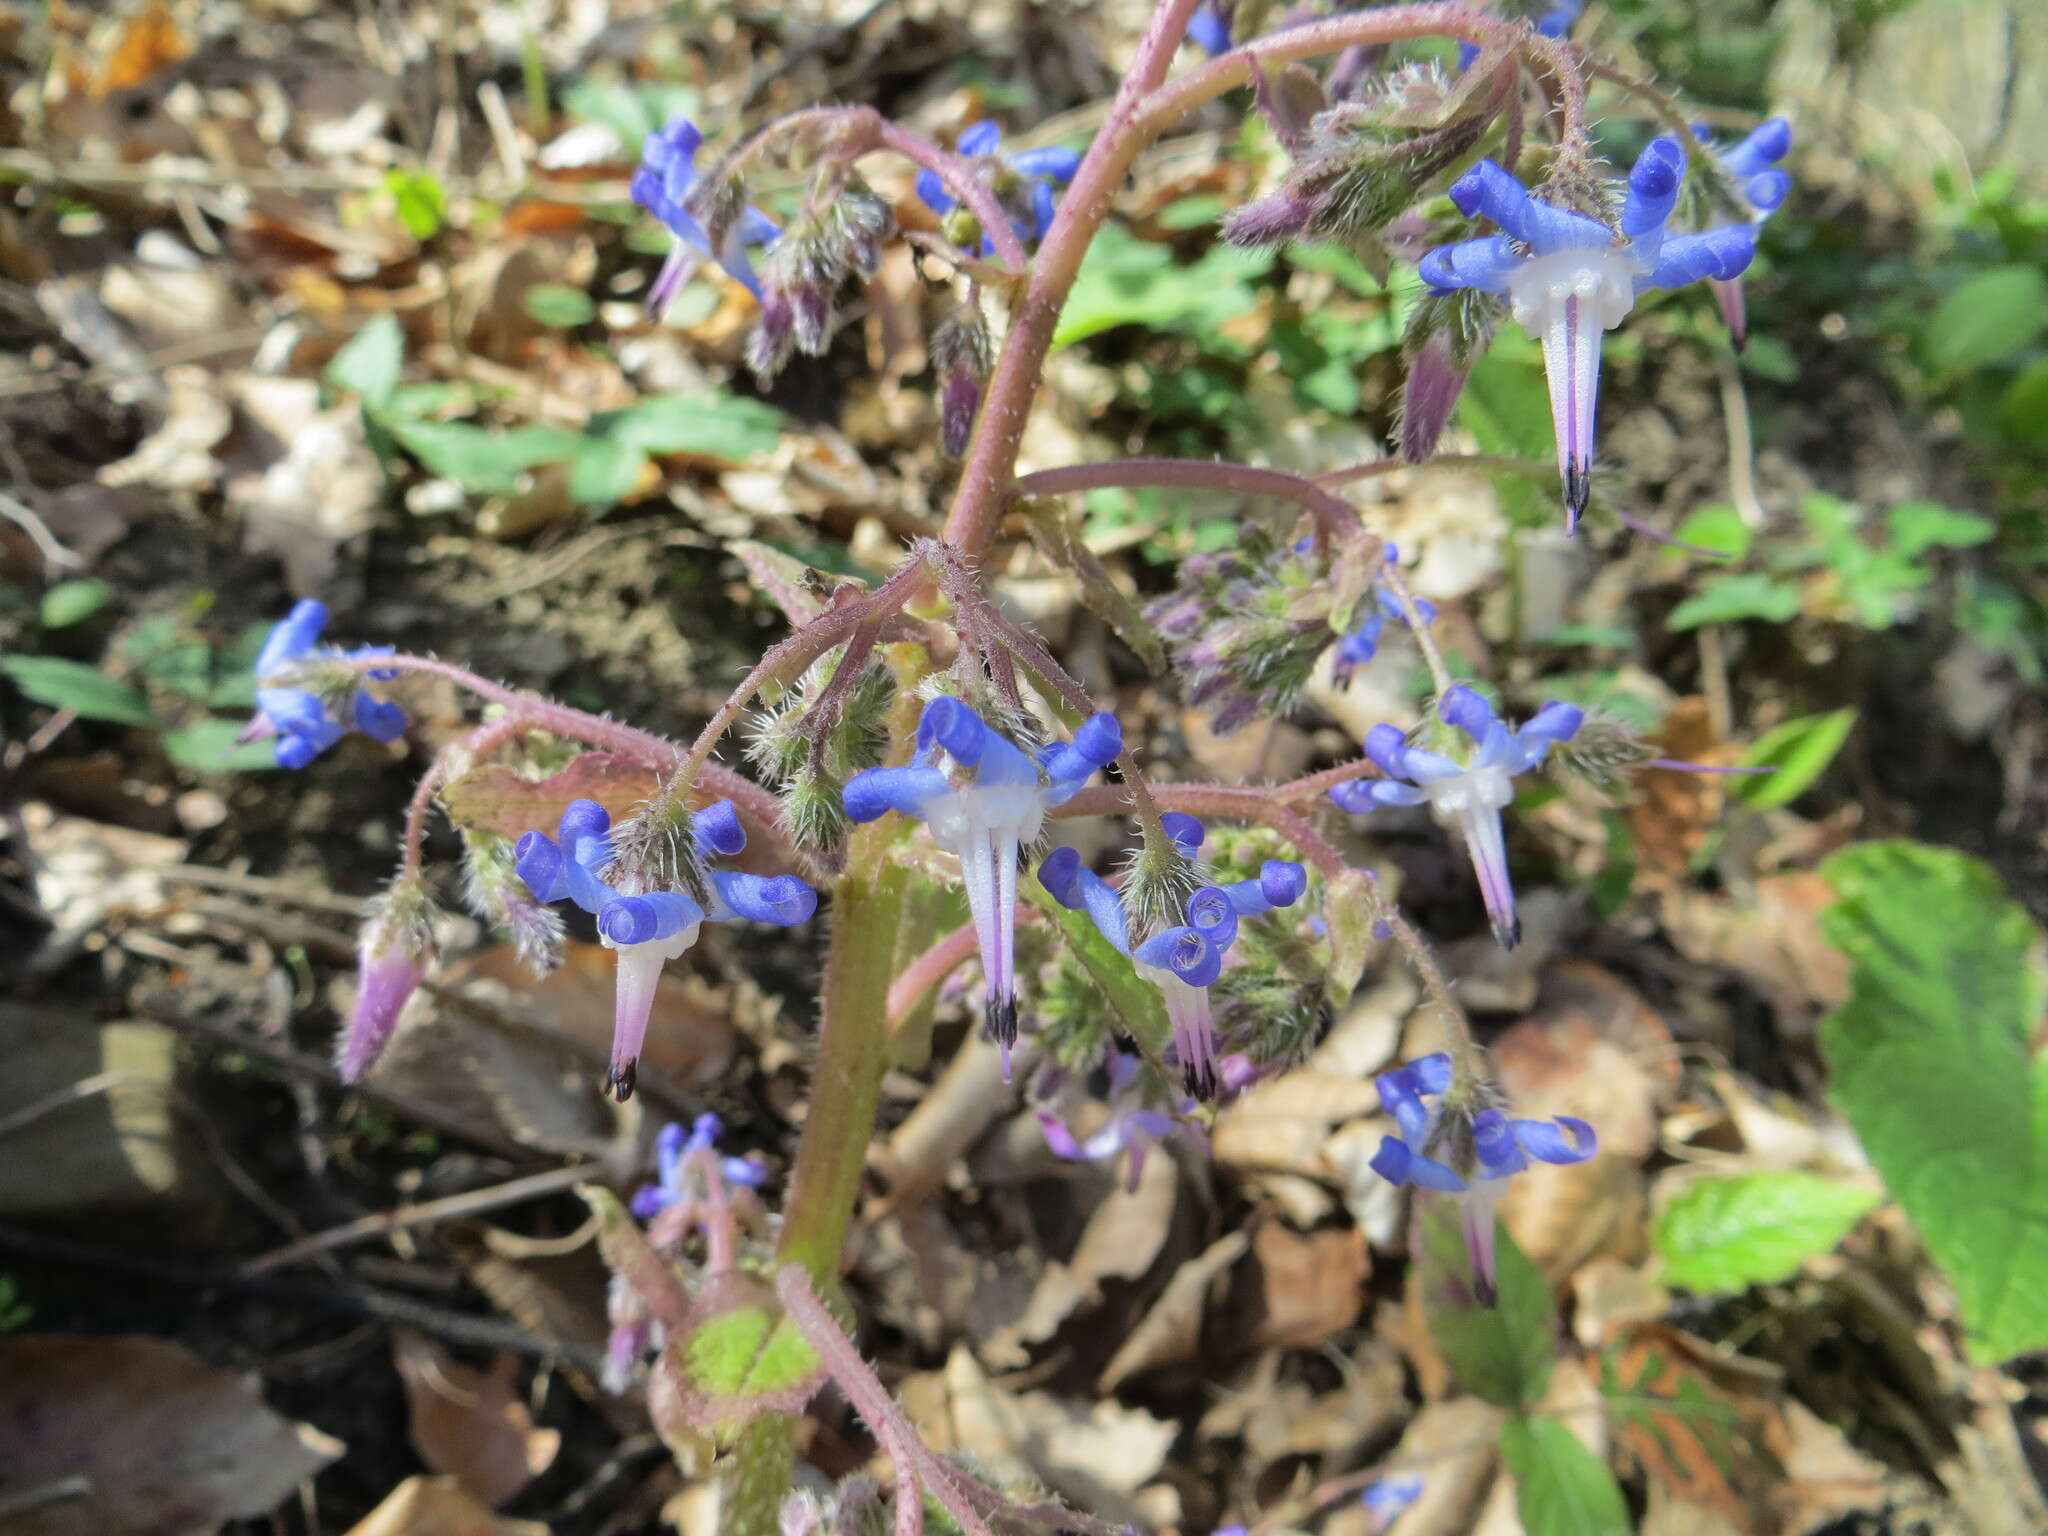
1770	937
438	1506
1298	1288
149	42
1282	1124
1693	1429
469	1424
1672	809
1172	1331
166	1444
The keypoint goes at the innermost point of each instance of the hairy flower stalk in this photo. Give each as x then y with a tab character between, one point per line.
1569	278
985	801
645	920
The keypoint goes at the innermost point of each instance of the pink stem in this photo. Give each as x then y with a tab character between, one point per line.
486	738
1335	518
1244	803
932	967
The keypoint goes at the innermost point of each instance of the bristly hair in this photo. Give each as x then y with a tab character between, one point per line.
655	849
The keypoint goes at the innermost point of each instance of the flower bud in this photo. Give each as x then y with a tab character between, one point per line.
393	953
961	354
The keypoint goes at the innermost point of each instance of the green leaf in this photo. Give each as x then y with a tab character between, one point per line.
1728	1234
1561	1488
1506	408
1504	1352
1800	750
70	602
605	471
1719	528
723	427
1139	1009
1128	281
210	747
86	691
482	462
1918	526
557	304
1991	316
742	1353
2023	408
420	201
1929	1060
1738	595
369	365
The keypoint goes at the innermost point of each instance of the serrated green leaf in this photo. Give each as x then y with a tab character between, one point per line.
72	602
1799	750
369	364
1128	281
86	691
1506	408
210	747
1504	1352
482	462
1918	526
1140	1011
728	428
1756	1228
1561	1488
1991	316
557	304
1929	1060
1718	528
1739	595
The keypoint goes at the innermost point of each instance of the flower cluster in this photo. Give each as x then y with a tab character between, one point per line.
648	927
1467	794
985	801
1025	182
1185	959
1568	279
663	184
302	720
1465	1145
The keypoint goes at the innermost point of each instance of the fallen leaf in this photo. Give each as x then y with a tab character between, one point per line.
438	1506
166	1444
1771	938
1171	1331
1671	808
1297	1288
149	42
469	1424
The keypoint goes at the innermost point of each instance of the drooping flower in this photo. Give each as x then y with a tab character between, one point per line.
393	954
1024	182
1182	960
1134	1125
1209	27
673	1150
1468	795
1386	1499
1467	1149
648	928
1568	279
662	185
299	719
985	802
1752	166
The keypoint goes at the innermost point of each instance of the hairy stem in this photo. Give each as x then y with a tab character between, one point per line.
1335	518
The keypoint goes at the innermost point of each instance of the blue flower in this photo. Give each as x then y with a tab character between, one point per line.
647	929
1468	795
298	719
1568	279
661	185
1209	28
1362	642
1469	1154
1022	182
988	807
1386	1499
1132	1129
673	1149
1752	166
1182	961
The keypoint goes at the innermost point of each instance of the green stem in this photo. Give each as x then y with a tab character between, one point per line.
853	1043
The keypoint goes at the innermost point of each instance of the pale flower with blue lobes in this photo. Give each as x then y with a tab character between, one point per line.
1468	795
1023	182
1752	165
674	1150
1183	960
985	801
1569	279
1133	1128
648	928
298	719
662	185
1468	1150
